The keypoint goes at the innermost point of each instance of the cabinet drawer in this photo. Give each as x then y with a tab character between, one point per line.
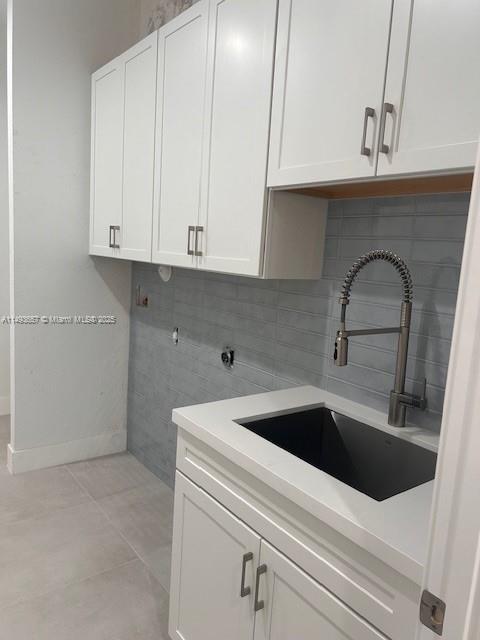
367	585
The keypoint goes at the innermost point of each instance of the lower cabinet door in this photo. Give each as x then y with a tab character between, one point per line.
296	607
214	558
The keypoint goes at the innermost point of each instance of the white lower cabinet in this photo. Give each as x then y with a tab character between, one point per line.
297	607
229	583
211	547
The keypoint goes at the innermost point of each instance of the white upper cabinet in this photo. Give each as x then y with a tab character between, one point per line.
433	86
123	122
180	141
139	150
106	158
239	80
329	78
182	58
192	126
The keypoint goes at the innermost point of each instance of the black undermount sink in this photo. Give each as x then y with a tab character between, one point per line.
365	458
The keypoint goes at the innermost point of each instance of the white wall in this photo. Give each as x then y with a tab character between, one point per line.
155	13
4	270
70	382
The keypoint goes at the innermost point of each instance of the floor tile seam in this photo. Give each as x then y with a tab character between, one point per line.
63	587
110	522
47	513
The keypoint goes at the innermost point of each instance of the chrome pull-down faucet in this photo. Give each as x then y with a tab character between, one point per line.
399	399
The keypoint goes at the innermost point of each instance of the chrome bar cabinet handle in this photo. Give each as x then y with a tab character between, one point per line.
113	243
197	231
387	108
190	231
245	591
259	604
369	113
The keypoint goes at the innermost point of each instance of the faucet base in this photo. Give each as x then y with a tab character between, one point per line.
396	411
399	402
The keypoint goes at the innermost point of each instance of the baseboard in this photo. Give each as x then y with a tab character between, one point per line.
4	405
23	460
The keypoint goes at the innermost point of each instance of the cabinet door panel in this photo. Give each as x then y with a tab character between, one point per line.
180	118
298	607
240	68
106	156
139	150
433	84
208	547
330	65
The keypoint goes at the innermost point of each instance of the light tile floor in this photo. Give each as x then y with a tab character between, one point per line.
84	551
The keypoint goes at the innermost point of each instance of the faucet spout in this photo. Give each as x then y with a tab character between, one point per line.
399	399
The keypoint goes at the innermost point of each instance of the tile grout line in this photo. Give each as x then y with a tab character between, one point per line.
48	513
57	589
102	511
71	583
109	520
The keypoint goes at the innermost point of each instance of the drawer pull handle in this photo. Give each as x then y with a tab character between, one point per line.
369	113
259	604
245	591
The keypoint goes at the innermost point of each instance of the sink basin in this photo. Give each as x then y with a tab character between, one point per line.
367	459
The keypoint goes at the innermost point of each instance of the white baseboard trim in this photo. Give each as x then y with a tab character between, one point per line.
4	405
23	460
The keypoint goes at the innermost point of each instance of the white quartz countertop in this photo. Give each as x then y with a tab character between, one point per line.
395	530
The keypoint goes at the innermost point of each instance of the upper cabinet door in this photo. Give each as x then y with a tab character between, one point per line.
182	56
295	606
240	69
328	90
140	69
106	159
433	85
214	556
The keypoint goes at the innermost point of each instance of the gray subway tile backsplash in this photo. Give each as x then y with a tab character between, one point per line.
437	251
283	331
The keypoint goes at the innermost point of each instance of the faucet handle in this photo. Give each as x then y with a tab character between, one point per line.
422	401
410	399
